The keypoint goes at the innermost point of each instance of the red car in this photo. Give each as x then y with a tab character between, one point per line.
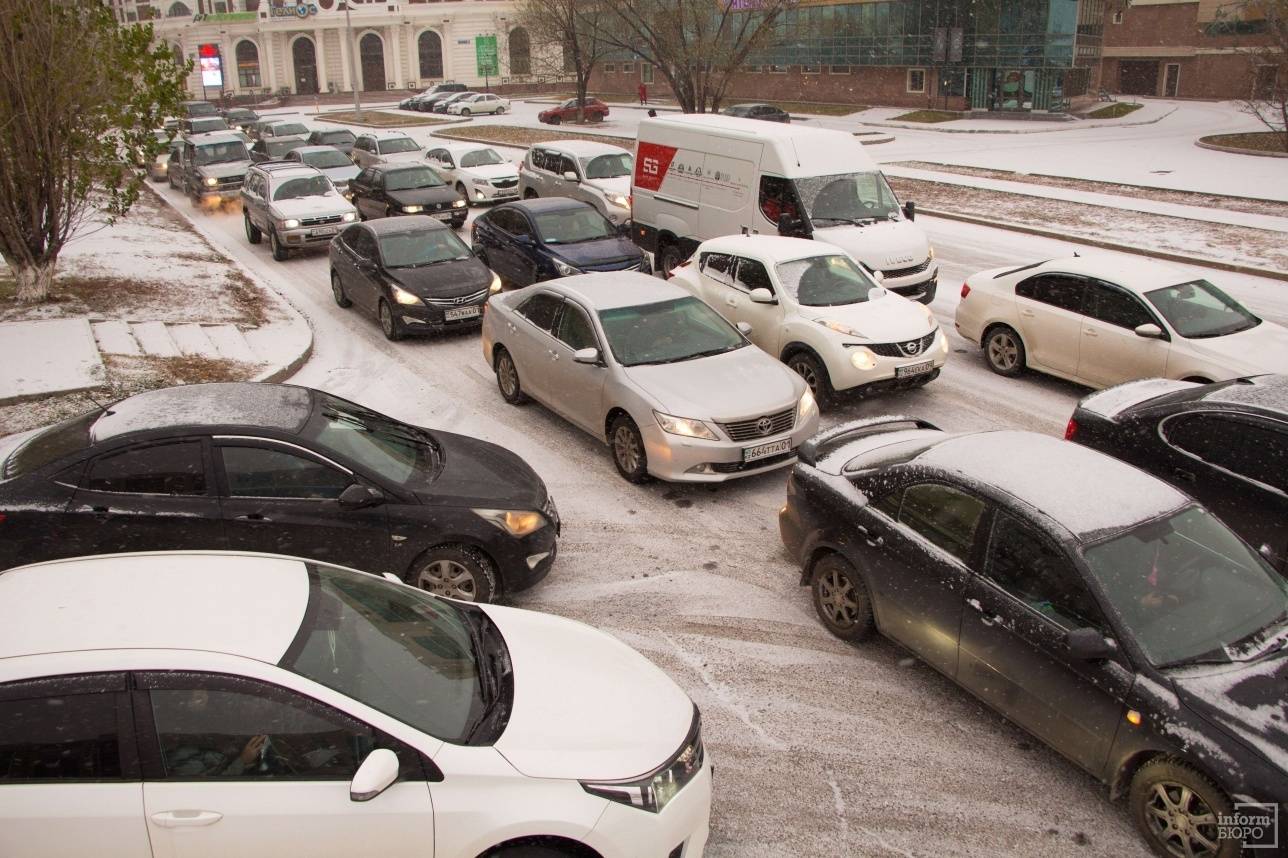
595	111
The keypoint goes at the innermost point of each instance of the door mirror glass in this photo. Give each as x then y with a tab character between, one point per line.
570	176
744	328
376	774
590	355
1089	645
1149	331
762	296
358	496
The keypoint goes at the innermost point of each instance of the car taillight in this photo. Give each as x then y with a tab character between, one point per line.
965	290
1071	429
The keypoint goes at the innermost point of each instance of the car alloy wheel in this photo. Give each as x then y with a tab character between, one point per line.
628	450
465	111
814	375
1004	351
507	379
337	291
457	573
275	244
1178	809
841	598
389	324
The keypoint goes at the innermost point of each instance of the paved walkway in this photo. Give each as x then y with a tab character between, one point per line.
47	356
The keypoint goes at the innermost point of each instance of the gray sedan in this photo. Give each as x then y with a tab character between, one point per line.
676	391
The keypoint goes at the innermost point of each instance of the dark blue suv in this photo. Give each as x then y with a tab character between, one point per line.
541	239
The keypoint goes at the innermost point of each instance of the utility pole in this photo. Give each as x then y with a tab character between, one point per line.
353	68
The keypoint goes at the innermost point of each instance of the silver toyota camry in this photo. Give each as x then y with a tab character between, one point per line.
676	391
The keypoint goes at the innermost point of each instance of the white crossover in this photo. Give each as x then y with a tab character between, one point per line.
477	170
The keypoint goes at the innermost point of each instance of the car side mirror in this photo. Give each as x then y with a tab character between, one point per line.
1149	331
571	176
376	774
744	329
879	277
523	239
1089	645
910	210
762	296
589	355
358	496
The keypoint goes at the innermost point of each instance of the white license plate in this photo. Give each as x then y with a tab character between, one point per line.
443	215
764	451
323	230
914	369
460	313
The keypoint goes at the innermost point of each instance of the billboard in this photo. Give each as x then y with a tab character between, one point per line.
211	64
485	55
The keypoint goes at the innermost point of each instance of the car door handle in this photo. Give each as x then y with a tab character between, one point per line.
986	619
1089	332
252	516
186	818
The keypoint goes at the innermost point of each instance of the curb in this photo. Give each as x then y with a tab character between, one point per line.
1067	126
322	117
1110	245
1236	150
609	137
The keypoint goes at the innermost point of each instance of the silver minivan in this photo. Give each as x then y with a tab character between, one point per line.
597	173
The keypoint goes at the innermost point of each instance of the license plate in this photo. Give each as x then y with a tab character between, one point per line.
323	230
914	369
460	313
764	451
443	215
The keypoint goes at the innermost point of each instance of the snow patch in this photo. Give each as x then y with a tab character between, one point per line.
1112	401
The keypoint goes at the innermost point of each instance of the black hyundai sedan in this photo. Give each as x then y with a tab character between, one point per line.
388	190
1088	602
1226	444
540	239
280	469
412	274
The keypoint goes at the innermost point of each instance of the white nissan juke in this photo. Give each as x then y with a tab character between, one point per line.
178	704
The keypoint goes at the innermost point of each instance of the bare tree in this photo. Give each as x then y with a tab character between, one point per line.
1266	47
566	37
79	98
696	45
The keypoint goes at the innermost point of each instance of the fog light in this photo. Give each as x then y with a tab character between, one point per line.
863	359
478	195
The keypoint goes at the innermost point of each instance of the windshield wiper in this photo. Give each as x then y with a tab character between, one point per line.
1204	658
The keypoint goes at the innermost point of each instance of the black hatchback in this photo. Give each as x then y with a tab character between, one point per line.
767	112
1084	600
279	469
387	190
1226	444
412	273
528	241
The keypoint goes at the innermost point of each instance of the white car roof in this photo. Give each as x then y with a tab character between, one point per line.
1136	274
276	177
582	148
466	148
770	249
212	137
249	605
611	289
384	135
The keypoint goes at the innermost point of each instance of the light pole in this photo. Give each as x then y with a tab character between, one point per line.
353	69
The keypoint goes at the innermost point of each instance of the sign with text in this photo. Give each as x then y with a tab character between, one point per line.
211	64
485	55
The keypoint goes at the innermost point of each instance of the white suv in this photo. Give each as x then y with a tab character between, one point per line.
597	173
257	706
385	147
477	170
294	204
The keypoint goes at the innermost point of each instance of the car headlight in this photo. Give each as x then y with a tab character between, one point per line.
619	200
654	791
840	328
495	285
458	204
565	269
290	223
862	358
402	296
348	217
516	522
412	209
806	408
211	181
685	426
483	182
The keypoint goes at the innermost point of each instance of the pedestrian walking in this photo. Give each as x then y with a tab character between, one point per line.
643	92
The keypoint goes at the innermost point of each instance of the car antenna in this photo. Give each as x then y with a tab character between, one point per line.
1076	255
101	407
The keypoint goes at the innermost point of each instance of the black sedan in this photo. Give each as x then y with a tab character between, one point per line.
385	190
412	273
540	239
240	117
1088	602
341	138
1225	444
767	112
281	469
265	149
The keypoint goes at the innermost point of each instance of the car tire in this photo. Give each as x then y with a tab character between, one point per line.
668	258
841	598
389	324
815	374
337	292
507	378
1154	800
280	253
555	120
628	449
595	118
465	112
456	571
253	235
1004	351
500	111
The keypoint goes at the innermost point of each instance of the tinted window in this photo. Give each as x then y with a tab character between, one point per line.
1256	451
942	515
258	472
1113	305
574	329
364	245
1040	575
541	310
59	738
1058	290
516	223
570	226
161	469
718	266
1198	310
752	275
411	178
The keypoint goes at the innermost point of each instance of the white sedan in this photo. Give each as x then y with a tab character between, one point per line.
477	170
482	102
261	706
1100	322
812	306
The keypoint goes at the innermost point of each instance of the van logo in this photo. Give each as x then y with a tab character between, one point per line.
764	426
898	260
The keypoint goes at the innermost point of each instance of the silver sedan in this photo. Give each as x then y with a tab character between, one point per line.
676	391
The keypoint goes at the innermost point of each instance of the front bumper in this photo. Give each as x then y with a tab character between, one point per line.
490	194
512	558
309	236
223	194
676	458
885	375
681	829
427	318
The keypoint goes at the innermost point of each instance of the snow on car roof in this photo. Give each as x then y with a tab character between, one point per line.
769	248
272	406
582	148
1135	273
1112	401
611	289
1084	490
241	604
1262	391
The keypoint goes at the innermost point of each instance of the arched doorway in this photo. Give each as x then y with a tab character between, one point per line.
372	51
520	52
306	66
430	48
178	10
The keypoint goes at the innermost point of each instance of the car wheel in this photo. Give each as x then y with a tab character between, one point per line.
500	110
456	572
507	379
253	235
279	251
815	374
628	449
841	598
389	324
529	194
465	111
555	120
529	851
668	258
1177	809
1004	351
595	117
337	291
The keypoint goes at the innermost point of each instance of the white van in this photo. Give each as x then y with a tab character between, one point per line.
702	176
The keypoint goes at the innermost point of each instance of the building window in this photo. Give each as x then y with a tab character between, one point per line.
520	52
811	69
646	73
430	47
839	69
610	68
247	65
178	10
916	80
773	69
1118	17
628	68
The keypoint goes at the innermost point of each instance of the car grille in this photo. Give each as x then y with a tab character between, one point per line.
505	183
459	300
752	429
894	273
321	221
736	467
231	182
907	348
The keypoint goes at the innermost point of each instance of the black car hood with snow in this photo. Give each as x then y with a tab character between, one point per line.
475	473
443	279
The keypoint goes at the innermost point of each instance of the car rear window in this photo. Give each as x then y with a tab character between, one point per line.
50	445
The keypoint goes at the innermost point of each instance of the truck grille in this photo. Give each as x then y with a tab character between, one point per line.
761	427
893	273
320	221
907	348
459	300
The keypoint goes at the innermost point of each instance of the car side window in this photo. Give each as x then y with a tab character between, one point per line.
943	515
777	198
541	310
718	266
752	275
568	165
365	245
1261	454
1036	572
350	236
60	729
518	223
575	329
175	468
1065	291
502	219
261	472
1112	305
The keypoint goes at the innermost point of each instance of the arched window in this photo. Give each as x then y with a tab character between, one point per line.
177	50
431	54
305	60
248	65
520	52
371	51
178	10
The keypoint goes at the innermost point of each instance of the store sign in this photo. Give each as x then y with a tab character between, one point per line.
211	64
297	10
485	55
224	17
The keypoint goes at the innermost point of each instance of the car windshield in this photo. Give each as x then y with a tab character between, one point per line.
827	281
398	144
280	147
220	153
1198	310
608	166
326	159
284	128
332	137
667	332
411	179
242	116
52	443
397	452
481	158
570	226
200	108
307	186
1189	590
396	649
422	247
202	126
847	198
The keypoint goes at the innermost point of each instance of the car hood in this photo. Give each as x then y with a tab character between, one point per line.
1256	350
478	474
732	386
331	204
601	251
444	279
879	246
1248	701
491	171
586	706
620	185
224	171
423	196
890	318
401	157
342	174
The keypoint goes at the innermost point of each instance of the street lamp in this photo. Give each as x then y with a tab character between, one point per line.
353	69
